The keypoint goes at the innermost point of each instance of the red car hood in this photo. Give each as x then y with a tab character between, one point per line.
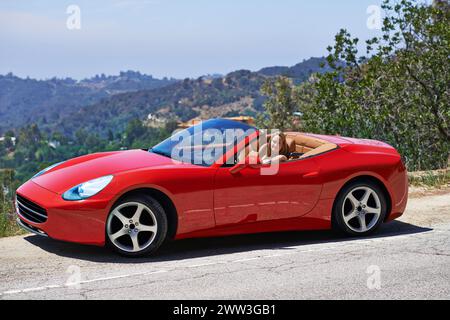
89	167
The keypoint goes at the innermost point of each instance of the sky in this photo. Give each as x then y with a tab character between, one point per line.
173	38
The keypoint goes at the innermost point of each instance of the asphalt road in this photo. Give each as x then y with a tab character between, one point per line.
407	259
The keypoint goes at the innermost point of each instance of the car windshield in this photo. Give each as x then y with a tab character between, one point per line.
204	143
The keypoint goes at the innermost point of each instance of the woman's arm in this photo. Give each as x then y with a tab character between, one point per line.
263	156
278	159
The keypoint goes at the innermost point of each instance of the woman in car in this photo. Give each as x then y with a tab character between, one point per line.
275	151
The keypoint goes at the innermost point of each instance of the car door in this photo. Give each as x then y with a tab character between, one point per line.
250	196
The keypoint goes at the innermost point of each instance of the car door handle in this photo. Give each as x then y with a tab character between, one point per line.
313	174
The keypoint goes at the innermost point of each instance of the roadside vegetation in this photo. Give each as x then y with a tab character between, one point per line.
433	179
8	226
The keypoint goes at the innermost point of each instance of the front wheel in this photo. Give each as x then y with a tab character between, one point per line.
136	226
360	208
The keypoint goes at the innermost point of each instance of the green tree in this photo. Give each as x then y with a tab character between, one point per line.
134	130
170	127
59	137
110	135
398	91
280	105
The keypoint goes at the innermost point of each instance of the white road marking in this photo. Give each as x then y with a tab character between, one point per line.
204	264
118	277
293	250
247	259
58	286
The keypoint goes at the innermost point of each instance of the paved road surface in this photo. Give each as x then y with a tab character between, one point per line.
406	259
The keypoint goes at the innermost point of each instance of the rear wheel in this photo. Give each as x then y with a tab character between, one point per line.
360	208
136	226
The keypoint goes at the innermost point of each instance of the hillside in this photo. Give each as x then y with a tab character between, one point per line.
300	72
105	103
45	102
181	101
237	93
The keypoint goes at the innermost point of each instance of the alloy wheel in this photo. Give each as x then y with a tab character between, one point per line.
361	209
132	227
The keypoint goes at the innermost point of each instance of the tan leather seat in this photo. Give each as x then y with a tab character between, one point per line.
307	145
322	149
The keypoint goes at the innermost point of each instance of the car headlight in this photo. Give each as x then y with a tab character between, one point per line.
40	173
87	189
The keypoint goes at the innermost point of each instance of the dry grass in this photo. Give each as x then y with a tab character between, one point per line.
8	226
434	179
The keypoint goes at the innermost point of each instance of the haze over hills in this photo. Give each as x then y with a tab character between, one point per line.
104	103
25	101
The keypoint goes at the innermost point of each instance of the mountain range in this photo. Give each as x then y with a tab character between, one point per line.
106	103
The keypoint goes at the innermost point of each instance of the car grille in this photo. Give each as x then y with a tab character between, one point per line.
30	211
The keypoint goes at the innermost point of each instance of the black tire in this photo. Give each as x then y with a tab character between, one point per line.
161	224
343	205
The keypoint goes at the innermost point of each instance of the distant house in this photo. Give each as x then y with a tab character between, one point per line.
244	119
154	122
190	123
13	139
54	144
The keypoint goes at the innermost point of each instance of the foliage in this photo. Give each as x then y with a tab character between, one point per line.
399	92
436	179
280	105
8	226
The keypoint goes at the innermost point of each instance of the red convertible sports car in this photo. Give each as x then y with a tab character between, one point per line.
195	185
